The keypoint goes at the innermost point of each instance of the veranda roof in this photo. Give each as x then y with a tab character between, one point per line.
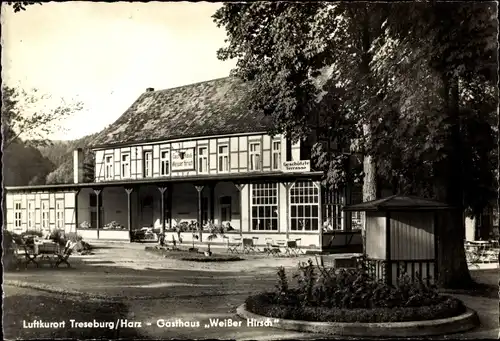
398	203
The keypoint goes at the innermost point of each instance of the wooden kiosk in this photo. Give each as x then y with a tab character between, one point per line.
401	237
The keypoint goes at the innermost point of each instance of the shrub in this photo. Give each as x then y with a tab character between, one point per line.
32	233
58	236
74	237
351	295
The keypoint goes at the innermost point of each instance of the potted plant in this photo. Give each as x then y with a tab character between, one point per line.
85	225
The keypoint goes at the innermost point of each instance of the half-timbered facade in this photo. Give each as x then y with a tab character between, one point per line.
190	154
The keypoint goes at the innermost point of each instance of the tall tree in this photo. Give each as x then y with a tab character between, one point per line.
31	116
282	48
442	73
291	54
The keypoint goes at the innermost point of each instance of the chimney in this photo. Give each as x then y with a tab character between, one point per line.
78	166
150	89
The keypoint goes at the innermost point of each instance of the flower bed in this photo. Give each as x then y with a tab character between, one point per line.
192	256
351	296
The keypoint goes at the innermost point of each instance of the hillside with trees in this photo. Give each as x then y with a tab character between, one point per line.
61	154
27	119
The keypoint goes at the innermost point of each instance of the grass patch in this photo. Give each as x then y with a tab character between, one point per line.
193	256
264	304
19	308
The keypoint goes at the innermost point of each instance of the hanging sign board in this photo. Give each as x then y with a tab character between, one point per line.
301	166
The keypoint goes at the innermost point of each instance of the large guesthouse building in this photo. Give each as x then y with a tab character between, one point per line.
192	155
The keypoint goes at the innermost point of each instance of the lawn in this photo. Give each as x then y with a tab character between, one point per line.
193	256
23	305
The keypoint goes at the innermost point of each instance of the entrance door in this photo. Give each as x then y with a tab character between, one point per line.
225	208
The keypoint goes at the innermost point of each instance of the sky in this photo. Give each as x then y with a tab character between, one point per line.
106	54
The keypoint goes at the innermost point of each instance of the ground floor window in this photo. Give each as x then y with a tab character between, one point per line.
332	202
304	206
60	214
45	214
264	203
31	214
18	214
356	198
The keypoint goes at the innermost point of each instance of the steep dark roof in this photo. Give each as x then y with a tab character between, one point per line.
208	108
398	202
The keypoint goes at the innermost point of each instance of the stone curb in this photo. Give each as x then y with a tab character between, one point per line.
451	325
98	297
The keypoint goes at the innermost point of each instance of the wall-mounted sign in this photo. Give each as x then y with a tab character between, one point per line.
182	159
300	166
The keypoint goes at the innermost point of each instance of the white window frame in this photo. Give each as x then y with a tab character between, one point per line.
332	215
164	162
148	164
223	159
265	200
276	155
18	213
125	165
203	160
254	155
45	215
304	206
108	167
30	213
60	214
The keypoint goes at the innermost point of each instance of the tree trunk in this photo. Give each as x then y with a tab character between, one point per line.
452	263
369	184
369	169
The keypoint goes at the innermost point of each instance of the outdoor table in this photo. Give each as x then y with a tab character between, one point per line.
46	249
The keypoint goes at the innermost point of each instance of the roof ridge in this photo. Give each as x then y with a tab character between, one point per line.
190	84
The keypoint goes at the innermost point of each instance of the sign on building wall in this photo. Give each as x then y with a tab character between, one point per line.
297	166
183	159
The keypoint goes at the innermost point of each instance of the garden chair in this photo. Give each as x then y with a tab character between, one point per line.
27	253
62	257
23	255
271	249
249	245
232	246
293	247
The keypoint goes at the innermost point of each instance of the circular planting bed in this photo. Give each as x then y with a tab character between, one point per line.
350	303
465	321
